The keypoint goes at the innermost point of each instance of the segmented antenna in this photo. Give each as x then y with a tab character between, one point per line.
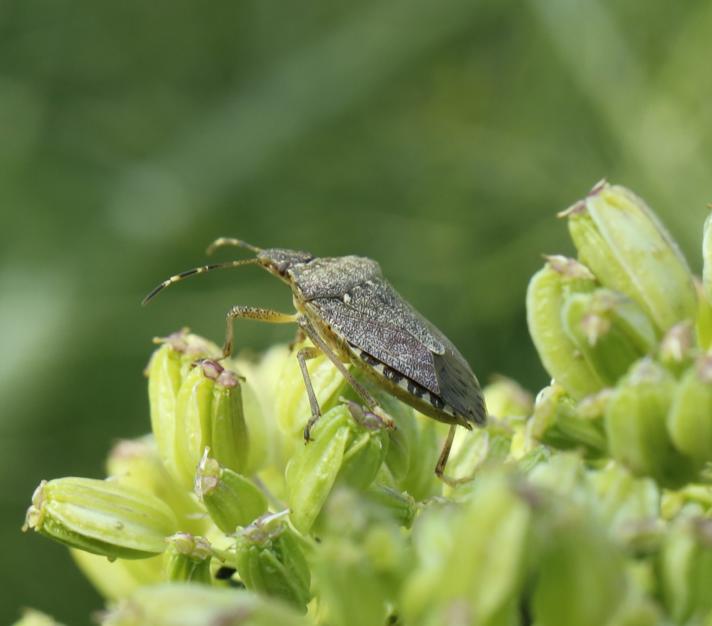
197	270
221	242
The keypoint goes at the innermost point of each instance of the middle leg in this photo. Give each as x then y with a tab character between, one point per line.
308	352
360	390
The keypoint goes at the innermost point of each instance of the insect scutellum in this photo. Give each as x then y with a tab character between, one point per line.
352	315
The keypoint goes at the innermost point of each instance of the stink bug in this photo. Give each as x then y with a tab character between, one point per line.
353	315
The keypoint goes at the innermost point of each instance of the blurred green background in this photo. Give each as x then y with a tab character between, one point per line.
439	138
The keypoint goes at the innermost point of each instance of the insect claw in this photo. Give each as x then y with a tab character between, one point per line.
386	420
375	419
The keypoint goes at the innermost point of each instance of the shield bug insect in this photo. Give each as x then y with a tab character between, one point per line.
351	313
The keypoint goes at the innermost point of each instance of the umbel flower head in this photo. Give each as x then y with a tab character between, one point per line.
588	505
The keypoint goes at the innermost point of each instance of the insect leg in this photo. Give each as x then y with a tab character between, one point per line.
442	461
298	338
355	385
251	313
305	353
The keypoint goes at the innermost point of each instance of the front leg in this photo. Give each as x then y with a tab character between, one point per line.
251	313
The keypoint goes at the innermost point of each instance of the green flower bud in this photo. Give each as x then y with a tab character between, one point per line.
187	559
136	463
366	450
369	523
580	575
563	475
557	422
30	617
209	414
630	507
341	447
689	421
545	300
473	559
637	609
609	330
395	505
703	323
231	499
685	570
121	577
678	347
269	559
707	258
635	421
348	586
101	516
184	604
166	370
472	449
505	397
264	435
352	514
627	248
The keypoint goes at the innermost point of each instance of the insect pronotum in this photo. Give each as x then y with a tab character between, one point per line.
353	315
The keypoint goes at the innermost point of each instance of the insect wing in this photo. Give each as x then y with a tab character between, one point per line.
373	317
459	386
390	344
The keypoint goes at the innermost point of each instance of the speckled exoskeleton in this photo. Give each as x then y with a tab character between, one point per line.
353	315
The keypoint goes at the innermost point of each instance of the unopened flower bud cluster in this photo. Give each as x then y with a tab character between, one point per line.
588	505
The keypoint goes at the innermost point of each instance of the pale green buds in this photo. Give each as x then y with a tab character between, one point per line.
707	258
451	545
30	617
340	445
689	421
580	575
609	330
703	323
136	463
686	570
628	249
678	347
546	295
187	559
269	559
348	584
208	413
231	499
181	604
120	577
629	506
557	421
400	505
165	371
363	556
505	397
636	418
101	516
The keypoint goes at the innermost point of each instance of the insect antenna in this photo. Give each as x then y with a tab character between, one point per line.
221	242
197	270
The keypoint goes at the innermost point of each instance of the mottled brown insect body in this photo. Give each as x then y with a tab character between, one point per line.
353	315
